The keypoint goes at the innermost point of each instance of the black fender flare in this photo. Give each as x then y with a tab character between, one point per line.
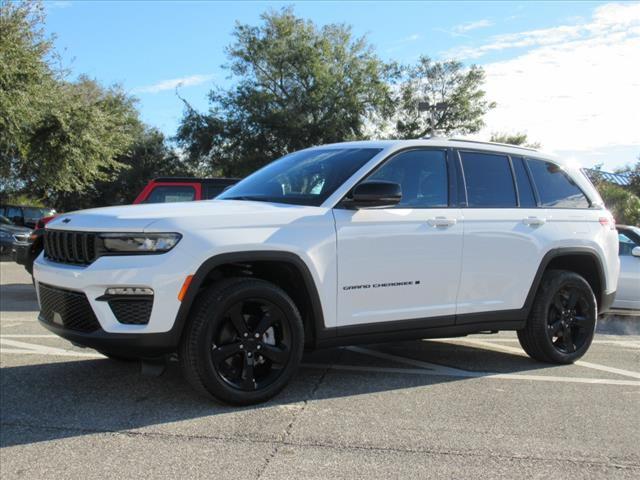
244	257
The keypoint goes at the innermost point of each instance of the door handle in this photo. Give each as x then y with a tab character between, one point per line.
441	222
533	221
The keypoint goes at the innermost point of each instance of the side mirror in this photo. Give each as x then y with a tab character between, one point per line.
635	252
376	194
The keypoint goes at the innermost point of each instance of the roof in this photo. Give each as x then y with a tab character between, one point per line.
461	143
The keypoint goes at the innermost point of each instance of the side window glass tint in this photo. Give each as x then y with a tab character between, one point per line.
525	191
422	175
489	180
166	194
555	188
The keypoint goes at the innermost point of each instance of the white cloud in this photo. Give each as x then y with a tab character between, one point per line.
577	88
607	19
174	82
467	27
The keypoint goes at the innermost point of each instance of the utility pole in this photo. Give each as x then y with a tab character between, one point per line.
432	109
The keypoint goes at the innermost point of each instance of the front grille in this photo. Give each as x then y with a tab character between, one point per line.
132	311
67	308
76	248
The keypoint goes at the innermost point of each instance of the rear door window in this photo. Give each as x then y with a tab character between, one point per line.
488	179
555	188
171	193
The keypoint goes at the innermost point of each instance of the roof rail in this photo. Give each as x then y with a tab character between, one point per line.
493	143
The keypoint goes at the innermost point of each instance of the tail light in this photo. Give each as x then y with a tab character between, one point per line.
608	222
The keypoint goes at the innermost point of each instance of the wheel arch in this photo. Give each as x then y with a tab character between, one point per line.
271	265
584	261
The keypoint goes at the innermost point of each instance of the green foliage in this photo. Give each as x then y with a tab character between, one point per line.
440	82
26	79
148	158
513	139
296	85
55	136
623	204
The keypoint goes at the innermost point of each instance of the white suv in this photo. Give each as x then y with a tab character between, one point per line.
334	245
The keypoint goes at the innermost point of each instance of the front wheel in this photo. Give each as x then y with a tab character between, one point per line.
562	321
244	341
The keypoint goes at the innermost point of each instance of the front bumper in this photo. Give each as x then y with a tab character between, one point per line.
165	274
124	344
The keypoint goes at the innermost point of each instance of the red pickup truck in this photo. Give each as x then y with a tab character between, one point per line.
159	190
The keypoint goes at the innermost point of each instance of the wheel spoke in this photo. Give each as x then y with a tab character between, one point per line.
557	303
580	320
573	299
567	339
555	327
248	380
221	353
237	318
267	321
275	354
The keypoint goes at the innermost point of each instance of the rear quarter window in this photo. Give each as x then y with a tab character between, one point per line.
555	188
169	193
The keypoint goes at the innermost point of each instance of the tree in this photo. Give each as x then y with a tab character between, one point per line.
623	204
459	89
296	85
55	135
518	138
26	78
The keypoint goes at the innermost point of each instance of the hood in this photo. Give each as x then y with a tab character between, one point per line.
14	229
158	217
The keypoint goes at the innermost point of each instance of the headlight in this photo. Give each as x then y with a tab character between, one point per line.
139	242
4	234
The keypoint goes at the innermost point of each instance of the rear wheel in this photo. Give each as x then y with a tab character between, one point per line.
562	321
244	341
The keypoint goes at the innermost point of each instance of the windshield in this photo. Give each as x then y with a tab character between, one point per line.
307	177
37	213
5	221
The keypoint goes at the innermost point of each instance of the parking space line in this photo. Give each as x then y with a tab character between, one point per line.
33	348
621	343
581	363
480	375
21	335
409	361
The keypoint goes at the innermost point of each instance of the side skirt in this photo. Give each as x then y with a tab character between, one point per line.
373	333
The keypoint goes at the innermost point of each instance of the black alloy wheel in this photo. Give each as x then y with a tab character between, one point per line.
562	320
252	344
569	323
243	341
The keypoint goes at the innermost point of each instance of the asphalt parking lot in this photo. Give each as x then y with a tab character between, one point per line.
468	407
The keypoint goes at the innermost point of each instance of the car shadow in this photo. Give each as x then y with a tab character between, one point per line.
18	297
65	399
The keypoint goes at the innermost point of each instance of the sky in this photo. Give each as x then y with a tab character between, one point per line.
565	73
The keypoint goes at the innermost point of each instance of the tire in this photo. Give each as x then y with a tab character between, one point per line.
562	321
243	342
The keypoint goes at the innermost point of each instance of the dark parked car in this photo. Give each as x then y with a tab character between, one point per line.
25	216
10	233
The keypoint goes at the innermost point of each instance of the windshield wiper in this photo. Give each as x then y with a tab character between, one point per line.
253	198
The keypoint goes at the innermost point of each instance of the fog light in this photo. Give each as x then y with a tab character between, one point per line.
129	291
